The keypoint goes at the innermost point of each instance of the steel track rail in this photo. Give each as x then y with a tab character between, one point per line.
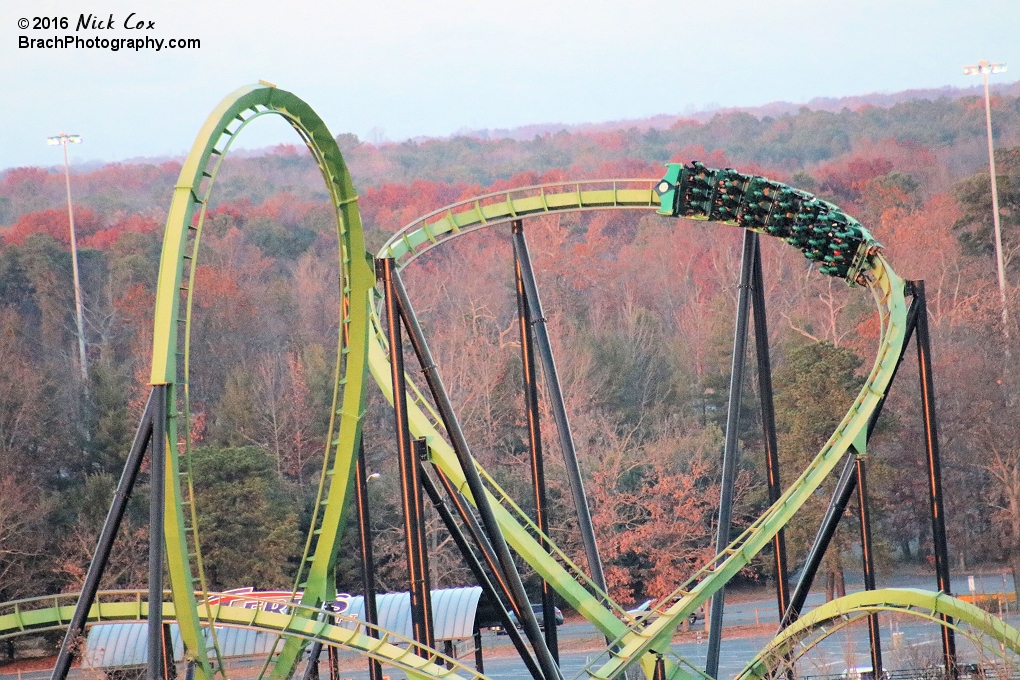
171	362
304	623
979	626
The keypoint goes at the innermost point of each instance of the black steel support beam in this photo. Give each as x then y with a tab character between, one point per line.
867	554
535	444
448	651
488	589
367	561
312	667
868	560
500	589
660	668
421	454
477	534
105	544
768	421
837	506
334	662
537	322
157	465
730	452
818	548
931	440
520	601
421	622
169	666
908	332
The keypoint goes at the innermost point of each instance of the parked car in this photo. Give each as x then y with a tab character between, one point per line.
637	612
539	614
641	610
863	673
971	671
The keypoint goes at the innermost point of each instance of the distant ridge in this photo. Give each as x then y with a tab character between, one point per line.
774	109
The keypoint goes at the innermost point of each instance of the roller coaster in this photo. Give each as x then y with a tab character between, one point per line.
373	304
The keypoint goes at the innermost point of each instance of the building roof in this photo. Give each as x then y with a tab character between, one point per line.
453	612
126	644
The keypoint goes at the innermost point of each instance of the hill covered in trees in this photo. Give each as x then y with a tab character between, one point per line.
640	309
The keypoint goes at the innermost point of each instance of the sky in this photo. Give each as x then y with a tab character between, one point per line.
400	69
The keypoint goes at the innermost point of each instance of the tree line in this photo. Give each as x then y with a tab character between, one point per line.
640	309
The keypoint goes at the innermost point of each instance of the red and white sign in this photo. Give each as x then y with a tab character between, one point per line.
273	600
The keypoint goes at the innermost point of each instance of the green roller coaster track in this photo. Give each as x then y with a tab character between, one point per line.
41	614
730	198
180	253
793	642
825	235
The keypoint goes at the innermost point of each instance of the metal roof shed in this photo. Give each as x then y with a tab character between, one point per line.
453	612
125	644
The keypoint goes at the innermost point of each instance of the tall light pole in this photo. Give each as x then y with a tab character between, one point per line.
984	68
63	139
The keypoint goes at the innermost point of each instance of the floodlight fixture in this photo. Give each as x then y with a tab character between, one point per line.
983	68
63	139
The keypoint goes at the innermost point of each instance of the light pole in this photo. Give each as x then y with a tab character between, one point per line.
63	139
984	68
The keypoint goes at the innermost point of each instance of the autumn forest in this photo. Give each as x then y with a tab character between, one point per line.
640	309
